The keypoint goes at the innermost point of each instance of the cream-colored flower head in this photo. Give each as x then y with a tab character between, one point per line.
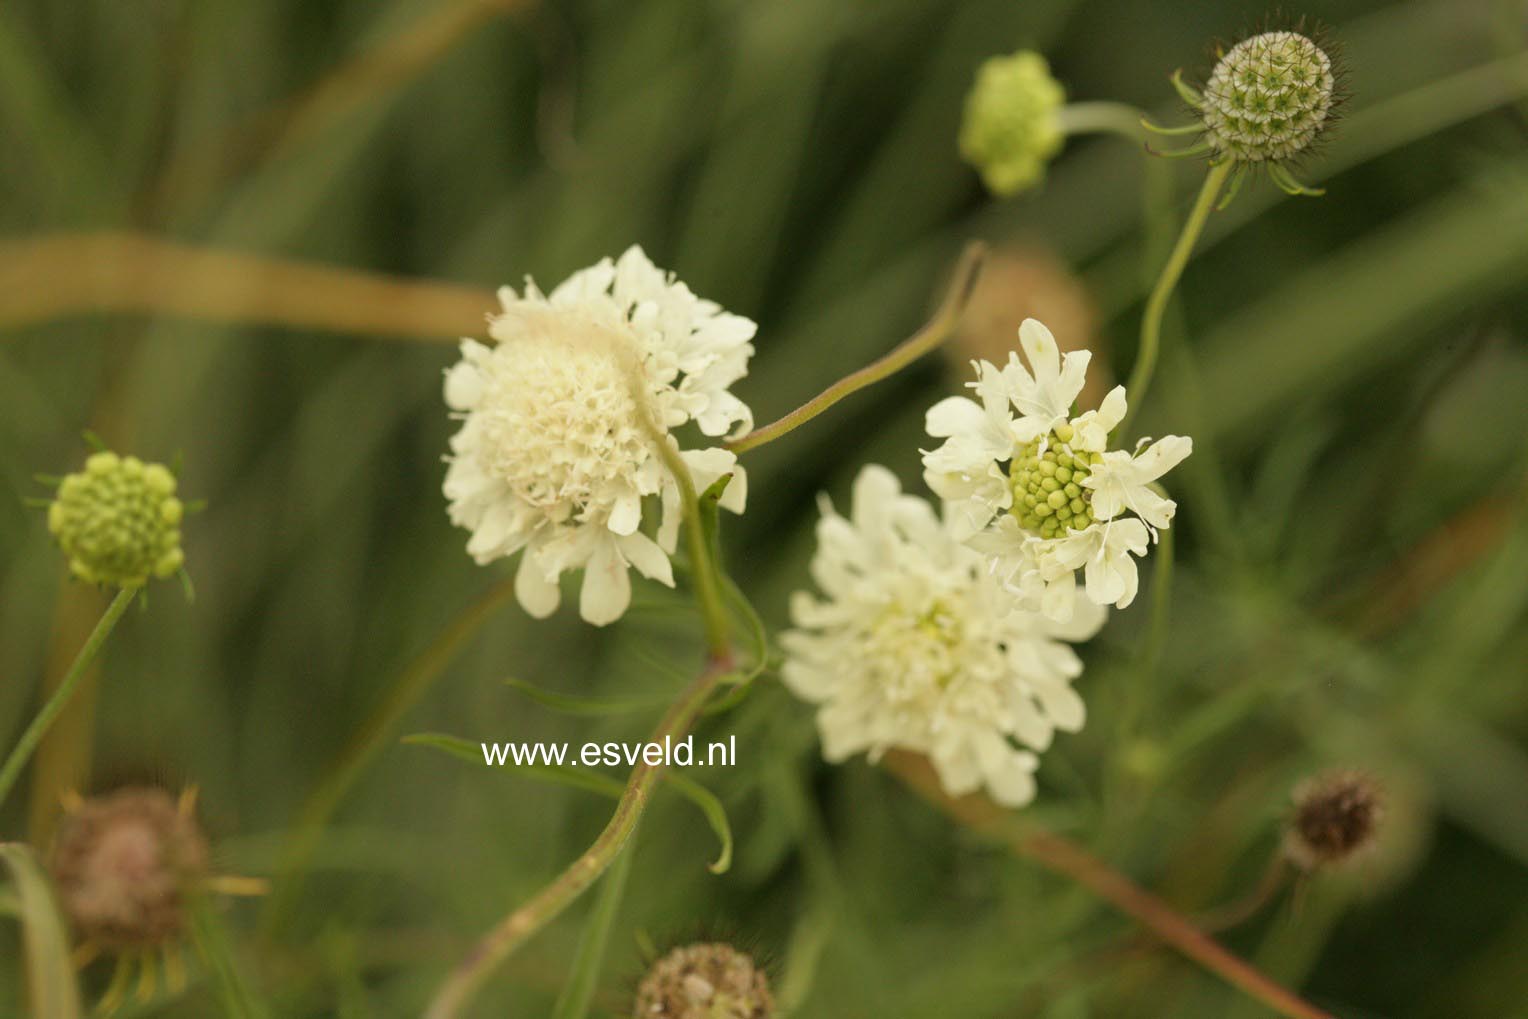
1038	490
1268	98
918	645
560	414
1011	128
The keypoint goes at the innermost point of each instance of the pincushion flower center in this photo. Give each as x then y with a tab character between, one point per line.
560	416
1049	497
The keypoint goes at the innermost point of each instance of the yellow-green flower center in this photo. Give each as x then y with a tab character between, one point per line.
1049	497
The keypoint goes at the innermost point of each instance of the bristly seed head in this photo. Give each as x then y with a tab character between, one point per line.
1336	815
1268	98
704	981
123	863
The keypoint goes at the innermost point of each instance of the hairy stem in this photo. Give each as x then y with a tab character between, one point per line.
61	696
518	927
1156	304
933	333
1070	860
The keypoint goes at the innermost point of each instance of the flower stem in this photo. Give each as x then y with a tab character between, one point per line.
517	928
1102	118
933	333
1156	304
709	596
1070	860
61	696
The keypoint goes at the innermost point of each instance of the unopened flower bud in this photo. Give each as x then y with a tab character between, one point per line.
1011	129
118	521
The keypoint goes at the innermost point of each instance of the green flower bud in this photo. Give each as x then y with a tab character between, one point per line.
1011	129
118	521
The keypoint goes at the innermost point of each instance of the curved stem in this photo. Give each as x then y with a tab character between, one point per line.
1102	118
934	333
517	928
61	696
1071	860
1156	304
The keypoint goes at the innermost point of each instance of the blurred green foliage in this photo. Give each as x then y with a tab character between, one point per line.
1352	575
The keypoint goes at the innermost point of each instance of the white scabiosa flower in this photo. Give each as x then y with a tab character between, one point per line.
916	644
1037	490
560	414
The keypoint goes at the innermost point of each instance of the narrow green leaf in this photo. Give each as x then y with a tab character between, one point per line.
570	704
715	813
578	992
560	774
50	972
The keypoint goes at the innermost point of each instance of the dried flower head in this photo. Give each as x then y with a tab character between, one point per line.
1011	128
557	453
127	865
1336	816
122	863
704	981
118	521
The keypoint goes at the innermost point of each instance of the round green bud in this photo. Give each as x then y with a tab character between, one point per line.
1268	98
1011	129
118	521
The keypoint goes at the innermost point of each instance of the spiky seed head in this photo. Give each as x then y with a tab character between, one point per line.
1011	129
1336	815
118	521
123	863
1268	98
704	981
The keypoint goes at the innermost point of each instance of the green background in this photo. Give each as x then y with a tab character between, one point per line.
1352	574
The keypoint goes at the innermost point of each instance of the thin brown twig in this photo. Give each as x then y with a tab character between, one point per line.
58	276
1064	857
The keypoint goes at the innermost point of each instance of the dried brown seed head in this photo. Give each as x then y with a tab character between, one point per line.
704	981
122	863
1336	815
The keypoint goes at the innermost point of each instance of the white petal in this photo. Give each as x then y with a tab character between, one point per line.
464	385
626	514
537	594
607	585
644	553
954	415
1040	347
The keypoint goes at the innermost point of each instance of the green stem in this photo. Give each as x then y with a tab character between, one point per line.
934	333
65	692
518	927
1156	304
1102	118
709	596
